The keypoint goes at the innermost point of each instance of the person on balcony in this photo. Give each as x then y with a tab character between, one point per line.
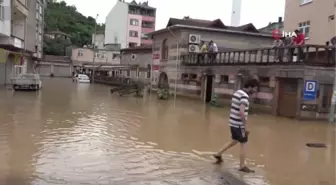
279	50
299	40
333	44
213	49
203	50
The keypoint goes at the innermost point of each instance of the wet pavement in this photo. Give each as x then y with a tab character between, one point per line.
81	134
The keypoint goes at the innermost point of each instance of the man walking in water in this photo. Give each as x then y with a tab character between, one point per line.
238	122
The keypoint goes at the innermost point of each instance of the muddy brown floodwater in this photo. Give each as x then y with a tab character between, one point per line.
81	134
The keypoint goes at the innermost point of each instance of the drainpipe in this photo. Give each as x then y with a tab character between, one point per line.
333	103
94	50
151	72
177	61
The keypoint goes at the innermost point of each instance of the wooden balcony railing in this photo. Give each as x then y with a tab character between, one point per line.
314	55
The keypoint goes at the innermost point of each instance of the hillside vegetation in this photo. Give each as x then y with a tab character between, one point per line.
60	16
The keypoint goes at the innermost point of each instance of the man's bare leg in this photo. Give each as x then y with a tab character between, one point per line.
242	155
242	166
228	145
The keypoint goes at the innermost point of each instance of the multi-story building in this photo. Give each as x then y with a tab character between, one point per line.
21	30
88	56
315	18
128	24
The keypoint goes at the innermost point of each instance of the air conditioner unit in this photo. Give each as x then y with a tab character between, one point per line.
194	49
194	39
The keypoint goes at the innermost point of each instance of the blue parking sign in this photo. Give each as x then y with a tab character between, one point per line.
310	90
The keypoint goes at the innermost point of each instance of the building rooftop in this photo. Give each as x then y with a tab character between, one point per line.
217	23
139	4
138	48
214	25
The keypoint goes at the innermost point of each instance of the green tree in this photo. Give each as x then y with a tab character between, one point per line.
60	16
55	46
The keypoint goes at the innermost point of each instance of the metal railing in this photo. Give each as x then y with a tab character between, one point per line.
315	55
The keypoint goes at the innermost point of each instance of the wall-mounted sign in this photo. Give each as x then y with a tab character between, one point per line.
310	90
155	67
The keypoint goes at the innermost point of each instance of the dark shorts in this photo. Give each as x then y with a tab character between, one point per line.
238	134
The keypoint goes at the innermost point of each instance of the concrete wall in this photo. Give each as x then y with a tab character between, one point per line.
5	24
116	25
88	56
57	69
296	13
30	40
142	59
99	40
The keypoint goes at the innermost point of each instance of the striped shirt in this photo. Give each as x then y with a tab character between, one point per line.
238	98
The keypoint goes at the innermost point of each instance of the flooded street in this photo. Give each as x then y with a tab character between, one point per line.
81	134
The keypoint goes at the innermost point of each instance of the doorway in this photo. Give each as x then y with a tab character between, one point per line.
287	100
208	88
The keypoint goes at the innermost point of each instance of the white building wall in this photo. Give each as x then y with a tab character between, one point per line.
5	23
99	40
116	25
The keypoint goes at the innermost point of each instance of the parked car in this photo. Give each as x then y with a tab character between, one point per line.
81	78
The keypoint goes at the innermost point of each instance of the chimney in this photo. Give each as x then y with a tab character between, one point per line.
280	20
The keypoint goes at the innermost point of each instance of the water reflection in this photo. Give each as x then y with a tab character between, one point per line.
80	133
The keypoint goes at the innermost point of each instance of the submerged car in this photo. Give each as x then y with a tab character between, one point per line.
81	78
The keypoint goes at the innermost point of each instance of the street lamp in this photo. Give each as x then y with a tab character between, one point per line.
94	49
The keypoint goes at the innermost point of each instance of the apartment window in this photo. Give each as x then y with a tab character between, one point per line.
2	10
80	53
115	55
144	36
134	22
132	44
133	33
147	24
40	9
97	55
103	56
304	28
305	1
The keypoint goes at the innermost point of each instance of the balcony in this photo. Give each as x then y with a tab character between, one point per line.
312	55
19	8
12	43
18	29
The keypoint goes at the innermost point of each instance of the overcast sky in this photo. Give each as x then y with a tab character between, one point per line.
258	12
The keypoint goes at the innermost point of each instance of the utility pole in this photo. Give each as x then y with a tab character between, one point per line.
94	50
333	102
